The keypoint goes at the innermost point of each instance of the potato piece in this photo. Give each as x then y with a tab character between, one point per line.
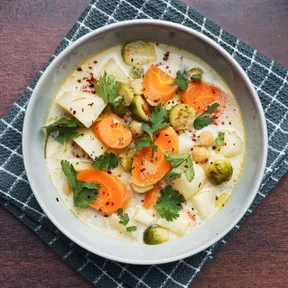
204	202
86	107
185	143
112	68
143	216
188	189
233	145
90	143
178	226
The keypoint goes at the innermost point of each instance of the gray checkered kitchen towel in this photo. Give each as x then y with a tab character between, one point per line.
270	80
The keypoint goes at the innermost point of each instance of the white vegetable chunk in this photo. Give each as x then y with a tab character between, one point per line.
204	202
178	226
233	145
114	222
90	143
185	143
80	164
188	189
86	107
143	216
137	86
112	68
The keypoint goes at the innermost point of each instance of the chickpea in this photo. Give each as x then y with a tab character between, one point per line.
135	128
206	139
200	154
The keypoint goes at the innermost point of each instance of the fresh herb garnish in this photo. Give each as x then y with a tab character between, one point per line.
108	161
65	129
219	141
131	228
169	204
83	192
202	121
158	120
180	81
183	160
108	89
146	142
124	220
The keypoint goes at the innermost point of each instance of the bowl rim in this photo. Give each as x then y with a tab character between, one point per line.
224	53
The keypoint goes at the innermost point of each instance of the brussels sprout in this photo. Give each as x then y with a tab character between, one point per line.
135	128
155	234
195	74
126	160
218	170
138	53
126	93
182	116
136	72
140	109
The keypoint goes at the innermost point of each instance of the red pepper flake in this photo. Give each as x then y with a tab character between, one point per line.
230	123
79	69
109	172
217	197
181	57
191	216
213	147
222	122
91	104
156	43
74	112
167	67
79	80
166	56
90	67
95	62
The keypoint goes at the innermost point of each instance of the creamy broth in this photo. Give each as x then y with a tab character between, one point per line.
230	120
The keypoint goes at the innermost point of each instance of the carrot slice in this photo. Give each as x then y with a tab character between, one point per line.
200	95
112	193
167	140
151	197
148	169
156	86
112	132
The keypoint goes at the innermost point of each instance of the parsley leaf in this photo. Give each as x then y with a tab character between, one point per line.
146	142
180	81
158	120
189	172
84	197
83	192
174	174
169	204
124	217
202	121
65	130
131	228
108	160
108	88
219	141
183	160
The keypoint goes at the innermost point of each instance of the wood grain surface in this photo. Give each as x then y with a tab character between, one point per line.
256	256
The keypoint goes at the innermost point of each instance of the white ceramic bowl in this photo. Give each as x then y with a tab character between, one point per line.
213	54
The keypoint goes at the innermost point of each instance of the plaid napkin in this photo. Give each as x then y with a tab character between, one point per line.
270	80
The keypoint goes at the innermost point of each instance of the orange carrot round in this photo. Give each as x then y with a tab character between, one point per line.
200	95
112	132
151	197
112	193
157	86
167	140
148	169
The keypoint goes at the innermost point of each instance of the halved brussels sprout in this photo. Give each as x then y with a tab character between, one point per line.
182	116
218	170
140	109
139	189
126	93
195	74
136	72
126	160
155	234
138	53
135	128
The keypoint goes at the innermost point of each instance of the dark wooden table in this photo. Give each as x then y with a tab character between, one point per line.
256	256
